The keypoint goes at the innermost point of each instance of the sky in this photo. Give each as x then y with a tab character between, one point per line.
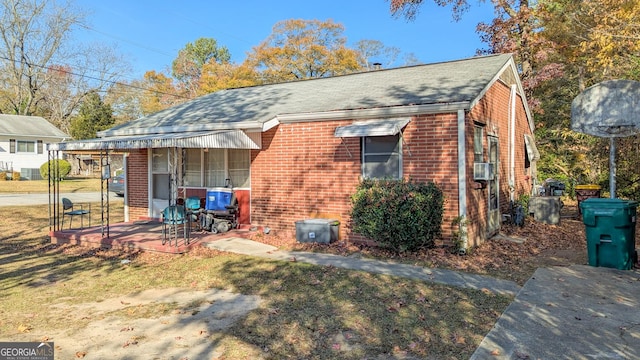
150	33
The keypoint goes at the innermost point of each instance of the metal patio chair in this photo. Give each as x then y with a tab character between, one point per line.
172	217
71	210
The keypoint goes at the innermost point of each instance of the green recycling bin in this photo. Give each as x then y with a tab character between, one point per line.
610	225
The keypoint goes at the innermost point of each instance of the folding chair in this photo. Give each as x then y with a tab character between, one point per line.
193	210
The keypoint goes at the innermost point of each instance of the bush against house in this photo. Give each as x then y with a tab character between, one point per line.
63	167
401	215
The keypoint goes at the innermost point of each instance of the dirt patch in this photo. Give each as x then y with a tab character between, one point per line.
181	330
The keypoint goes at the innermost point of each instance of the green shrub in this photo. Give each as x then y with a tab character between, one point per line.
64	168
399	215
15	176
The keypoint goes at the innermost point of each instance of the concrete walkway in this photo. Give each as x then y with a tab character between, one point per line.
441	276
576	312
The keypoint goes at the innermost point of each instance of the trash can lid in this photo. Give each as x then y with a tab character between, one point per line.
588	187
592	203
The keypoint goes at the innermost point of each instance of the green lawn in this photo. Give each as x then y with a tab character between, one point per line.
304	310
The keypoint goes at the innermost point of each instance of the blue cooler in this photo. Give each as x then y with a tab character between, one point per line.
218	198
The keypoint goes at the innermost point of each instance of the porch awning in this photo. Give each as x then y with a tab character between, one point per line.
381	127
532	150
227	139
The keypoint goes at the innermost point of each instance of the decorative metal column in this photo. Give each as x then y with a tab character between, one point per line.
105	176
54	190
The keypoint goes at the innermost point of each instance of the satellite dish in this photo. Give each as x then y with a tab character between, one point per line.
608	109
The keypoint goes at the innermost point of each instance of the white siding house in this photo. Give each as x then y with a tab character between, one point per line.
23	143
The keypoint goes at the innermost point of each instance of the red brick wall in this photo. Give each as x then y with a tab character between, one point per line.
304	171
138	184
431	154
493	112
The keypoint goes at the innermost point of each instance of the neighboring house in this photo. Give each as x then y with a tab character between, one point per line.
23	141
298	150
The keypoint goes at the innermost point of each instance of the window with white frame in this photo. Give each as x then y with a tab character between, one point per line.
25	146
215	172
381	157
478	152
192	162
160	172
212	167
239	165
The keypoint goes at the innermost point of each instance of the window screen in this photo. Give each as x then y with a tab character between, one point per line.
192	167
239	165
215	173
478	134
381	157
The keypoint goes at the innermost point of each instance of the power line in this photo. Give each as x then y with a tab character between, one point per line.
142	46
113	82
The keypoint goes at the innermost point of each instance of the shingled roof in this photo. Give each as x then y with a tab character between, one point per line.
29	126
461	81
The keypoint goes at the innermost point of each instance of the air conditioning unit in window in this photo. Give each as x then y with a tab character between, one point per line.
483	171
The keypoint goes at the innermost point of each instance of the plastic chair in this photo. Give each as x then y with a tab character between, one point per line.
172	217
193	209
69	210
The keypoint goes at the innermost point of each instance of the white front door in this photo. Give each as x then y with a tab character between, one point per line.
160	187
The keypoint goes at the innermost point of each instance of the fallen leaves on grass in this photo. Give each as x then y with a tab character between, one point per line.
544	245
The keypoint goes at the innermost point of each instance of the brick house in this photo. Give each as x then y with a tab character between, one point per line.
297	150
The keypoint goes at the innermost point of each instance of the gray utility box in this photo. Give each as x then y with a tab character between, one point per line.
546	209
323	231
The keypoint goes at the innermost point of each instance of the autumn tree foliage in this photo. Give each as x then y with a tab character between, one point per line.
188	65
302	49
219	76
160	93
562	47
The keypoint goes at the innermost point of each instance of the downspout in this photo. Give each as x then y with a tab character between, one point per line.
512	140
462	183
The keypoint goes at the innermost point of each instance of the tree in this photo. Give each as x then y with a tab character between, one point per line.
218	76
31	37
124	99
42	72
187	67
93	116
160	93
512	31
374	51
302	49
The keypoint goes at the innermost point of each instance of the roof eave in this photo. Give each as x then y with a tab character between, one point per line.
512	65
246	125
374	113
